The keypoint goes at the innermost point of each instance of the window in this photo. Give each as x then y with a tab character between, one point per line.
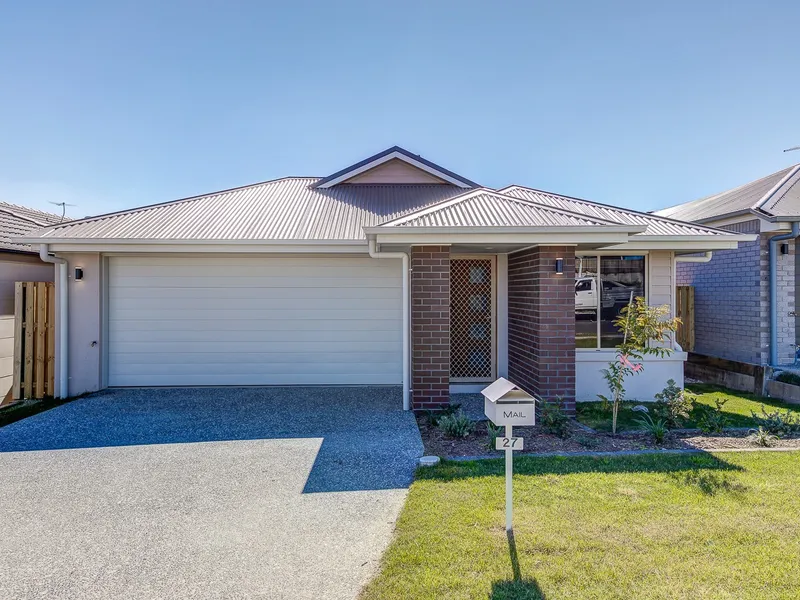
604	285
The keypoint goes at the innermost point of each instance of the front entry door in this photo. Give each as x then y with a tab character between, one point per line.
472	319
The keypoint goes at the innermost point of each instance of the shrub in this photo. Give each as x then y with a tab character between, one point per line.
492	432
713	420
673	405
657	428
788	377
435	415
762	437
456	425
553	418
778	423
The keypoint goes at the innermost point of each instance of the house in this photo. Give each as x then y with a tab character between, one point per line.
745	298
392	271
18	262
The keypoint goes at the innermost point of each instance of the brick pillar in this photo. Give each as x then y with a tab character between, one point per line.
430	326
541	323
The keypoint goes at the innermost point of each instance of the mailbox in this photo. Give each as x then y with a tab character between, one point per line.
507	404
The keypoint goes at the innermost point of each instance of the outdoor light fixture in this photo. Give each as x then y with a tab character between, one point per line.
784	248
78	274
559	266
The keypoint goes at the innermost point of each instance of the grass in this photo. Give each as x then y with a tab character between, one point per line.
737	409
27	408
646	527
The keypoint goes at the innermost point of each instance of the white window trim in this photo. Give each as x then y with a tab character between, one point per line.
648	278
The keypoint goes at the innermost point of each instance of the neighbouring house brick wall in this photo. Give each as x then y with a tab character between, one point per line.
430	324
732	300
541	323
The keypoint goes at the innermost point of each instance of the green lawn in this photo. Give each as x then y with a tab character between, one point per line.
737	409
636	527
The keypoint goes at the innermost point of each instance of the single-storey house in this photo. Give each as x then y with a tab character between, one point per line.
391	271
745	298
18	262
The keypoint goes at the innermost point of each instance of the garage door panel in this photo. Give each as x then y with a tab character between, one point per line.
227	292
249	335
389	307
254	321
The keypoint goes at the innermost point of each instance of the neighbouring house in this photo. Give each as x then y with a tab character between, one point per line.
392	271
745	298
18	262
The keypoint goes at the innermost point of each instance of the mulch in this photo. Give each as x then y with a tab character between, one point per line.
581	439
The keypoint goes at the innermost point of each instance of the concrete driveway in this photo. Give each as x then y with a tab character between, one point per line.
204	493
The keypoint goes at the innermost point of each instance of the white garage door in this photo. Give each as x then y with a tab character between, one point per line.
254	321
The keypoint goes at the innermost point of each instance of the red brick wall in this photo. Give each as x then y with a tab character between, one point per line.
430	326
541	323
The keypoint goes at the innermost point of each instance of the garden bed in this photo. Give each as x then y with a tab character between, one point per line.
580	439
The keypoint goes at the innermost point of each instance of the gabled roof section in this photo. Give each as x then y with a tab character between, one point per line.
390	154
16	221
774	197
655	226
278	210
485	208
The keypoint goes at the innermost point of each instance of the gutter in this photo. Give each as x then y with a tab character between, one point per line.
773	289
406	318
62	285
695	259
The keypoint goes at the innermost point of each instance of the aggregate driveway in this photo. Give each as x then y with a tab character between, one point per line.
204	493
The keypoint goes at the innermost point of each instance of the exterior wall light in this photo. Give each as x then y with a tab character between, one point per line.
559	266
78	274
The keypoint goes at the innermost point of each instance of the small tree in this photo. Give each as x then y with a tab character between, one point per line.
643	327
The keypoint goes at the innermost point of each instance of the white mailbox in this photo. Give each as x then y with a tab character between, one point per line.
507	404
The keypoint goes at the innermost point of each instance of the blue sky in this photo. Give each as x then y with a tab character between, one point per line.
109	105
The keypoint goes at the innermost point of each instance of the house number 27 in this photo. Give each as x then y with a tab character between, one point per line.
508	443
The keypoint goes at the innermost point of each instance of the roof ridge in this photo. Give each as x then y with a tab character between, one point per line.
792	171
168	202
9	208
483	190
619	208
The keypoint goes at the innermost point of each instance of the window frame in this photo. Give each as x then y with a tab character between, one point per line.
598	256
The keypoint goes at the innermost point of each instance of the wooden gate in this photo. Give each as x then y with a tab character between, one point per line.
684	310
34	340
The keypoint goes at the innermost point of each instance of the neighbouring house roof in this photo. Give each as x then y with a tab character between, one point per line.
774	197
488	208
655	226
342	208
16	221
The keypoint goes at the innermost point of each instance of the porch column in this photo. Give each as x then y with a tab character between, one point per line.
430	326
541	323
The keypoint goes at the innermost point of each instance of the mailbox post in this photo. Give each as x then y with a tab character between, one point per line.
506	404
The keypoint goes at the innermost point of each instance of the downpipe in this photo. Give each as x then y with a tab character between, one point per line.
62	285
373	252
773	289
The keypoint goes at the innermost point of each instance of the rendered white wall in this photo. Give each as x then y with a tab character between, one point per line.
642	387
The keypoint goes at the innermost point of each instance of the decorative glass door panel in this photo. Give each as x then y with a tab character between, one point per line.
472	354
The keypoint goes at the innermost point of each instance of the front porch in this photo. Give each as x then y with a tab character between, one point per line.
477	315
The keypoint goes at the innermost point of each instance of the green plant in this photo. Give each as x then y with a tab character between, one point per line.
657	428
673	405
713	420
779	423
456	425
492	432
643	327
553	418
788	377
762	437
434	415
